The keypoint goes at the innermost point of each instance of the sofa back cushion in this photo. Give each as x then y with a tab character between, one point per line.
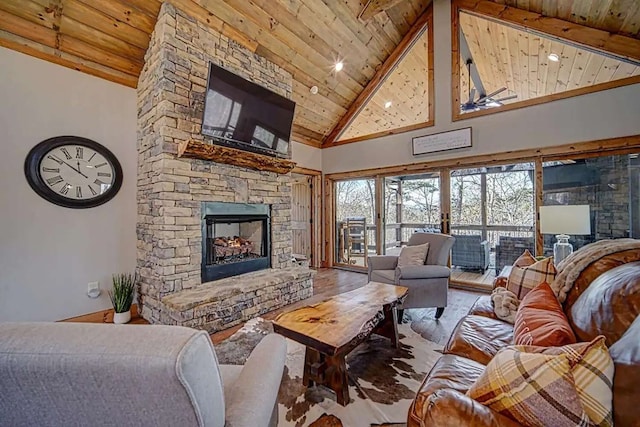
609	305
92	374
595	269
541	321
626	393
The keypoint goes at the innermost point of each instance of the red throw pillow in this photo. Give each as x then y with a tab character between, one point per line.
541	321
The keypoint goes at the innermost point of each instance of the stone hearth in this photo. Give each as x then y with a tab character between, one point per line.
227	302
171	190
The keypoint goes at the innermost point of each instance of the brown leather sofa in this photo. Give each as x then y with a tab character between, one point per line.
605	300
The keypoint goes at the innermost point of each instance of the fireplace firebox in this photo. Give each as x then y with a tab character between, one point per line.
235	239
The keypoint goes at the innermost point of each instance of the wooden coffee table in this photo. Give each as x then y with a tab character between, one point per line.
334	327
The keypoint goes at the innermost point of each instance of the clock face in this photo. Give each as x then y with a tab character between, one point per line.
77	172
73	172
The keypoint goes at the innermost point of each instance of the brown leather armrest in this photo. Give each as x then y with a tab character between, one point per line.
451	408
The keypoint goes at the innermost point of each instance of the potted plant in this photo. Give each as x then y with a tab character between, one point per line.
121	295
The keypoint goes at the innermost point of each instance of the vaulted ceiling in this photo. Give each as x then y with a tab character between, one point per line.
508	57
108	38
306	37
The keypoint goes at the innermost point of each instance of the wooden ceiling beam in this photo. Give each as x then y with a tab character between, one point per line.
622	46
385	70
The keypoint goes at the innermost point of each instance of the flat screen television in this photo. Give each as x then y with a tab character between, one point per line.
245	115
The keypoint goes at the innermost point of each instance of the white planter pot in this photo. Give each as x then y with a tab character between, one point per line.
119	318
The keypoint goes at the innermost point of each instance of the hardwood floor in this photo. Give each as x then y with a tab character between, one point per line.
473	278
329	282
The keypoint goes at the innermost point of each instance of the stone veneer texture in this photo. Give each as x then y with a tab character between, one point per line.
171	95
227	302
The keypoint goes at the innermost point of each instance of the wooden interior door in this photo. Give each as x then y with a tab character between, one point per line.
301	215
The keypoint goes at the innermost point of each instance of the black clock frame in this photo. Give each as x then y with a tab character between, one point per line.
35	180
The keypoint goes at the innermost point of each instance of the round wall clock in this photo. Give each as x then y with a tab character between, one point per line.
73	172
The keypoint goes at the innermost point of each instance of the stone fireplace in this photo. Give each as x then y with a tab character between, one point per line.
235	239
190	226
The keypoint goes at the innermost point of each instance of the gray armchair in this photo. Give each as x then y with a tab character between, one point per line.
54	374
470	251
428	284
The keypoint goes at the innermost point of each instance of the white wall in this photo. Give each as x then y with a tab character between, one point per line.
48	253
598	115
306	156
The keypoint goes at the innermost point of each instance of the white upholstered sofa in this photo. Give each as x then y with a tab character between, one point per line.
75	374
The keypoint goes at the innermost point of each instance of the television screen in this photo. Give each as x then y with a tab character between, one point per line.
245	115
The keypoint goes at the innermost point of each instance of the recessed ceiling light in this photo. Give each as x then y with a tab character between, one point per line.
314	90
553	57
387	104
339	66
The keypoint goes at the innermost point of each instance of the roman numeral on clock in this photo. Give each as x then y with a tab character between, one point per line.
66	153
101	165
108	175
79	152
92	156
98	182
65	189
54	180
79	192
57	170
55	159
93	192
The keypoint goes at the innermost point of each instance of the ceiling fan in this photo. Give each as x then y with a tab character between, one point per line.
484	100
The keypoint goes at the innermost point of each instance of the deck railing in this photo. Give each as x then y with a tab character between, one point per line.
405	230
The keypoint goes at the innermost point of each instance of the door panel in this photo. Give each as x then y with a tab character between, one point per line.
301	215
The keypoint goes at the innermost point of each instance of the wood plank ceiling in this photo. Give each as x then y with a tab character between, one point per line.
615	16
306	37
108	38
518	60
406	88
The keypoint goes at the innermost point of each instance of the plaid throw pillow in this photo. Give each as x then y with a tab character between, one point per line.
525	260
592	368
533	389
523	279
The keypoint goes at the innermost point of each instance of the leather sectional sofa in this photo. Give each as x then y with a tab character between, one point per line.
605	300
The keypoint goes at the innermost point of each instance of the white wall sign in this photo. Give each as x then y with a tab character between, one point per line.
442	141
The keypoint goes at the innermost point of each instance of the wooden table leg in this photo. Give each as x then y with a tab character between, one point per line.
336	378
313	359
329	371
389	326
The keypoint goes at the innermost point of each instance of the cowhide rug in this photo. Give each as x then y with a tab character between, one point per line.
382	380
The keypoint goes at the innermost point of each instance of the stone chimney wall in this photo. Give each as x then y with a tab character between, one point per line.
171	96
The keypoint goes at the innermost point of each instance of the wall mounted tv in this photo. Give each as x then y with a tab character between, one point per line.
244	115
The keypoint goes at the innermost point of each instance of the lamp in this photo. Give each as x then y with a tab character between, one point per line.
563	220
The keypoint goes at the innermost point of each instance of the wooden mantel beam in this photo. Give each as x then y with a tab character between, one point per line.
381	75
217	153
622	46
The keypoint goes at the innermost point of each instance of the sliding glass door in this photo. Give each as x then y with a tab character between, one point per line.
355	228
412	204
492	218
